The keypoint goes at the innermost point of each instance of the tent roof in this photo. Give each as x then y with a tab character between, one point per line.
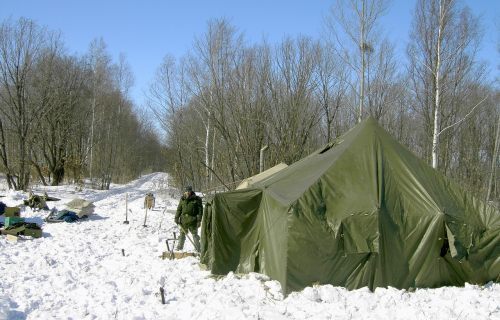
290	183
248	182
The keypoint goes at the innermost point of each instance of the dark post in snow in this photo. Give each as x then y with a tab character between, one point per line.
162	293
123	252
171	249
126	209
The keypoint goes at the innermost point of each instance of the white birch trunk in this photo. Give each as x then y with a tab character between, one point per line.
92	134
437	106
207	155
211	179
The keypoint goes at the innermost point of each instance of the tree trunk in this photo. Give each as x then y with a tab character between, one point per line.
362	71
23	178
207	156
58	173
437	101
3	154
39	171
493	162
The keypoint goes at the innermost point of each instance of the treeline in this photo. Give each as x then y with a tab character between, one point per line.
69	117
225	100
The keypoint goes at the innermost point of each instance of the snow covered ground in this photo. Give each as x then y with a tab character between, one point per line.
78	271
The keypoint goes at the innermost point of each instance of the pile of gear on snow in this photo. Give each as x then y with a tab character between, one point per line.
14	225
76	209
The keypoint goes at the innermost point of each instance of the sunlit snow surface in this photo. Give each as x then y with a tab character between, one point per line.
78	271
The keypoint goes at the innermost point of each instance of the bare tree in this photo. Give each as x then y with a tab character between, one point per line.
115	146
99	62
444	43
63	92
168	92
211	67
22	44
355	22
331	88
294	114
383	82
167	95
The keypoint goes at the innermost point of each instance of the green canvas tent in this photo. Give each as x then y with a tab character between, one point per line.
362	211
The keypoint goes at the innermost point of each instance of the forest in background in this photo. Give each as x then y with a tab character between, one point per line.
68	118
210	112
225	100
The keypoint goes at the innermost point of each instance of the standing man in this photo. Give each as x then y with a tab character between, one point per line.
188	217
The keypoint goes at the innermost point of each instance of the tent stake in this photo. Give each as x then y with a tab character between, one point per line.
145	218
171	250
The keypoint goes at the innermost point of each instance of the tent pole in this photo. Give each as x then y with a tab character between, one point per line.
261	164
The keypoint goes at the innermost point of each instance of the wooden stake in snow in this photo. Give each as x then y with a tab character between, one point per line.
126	209
123	252
171	249
162	293
145	218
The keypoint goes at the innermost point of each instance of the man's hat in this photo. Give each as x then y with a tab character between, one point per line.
188	189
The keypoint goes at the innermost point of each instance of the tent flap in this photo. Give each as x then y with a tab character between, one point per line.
360	232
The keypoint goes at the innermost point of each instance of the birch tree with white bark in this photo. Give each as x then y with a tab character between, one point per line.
444	42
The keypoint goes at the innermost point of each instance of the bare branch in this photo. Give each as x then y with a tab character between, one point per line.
464	118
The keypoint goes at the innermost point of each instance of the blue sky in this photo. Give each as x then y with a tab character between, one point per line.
145	31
